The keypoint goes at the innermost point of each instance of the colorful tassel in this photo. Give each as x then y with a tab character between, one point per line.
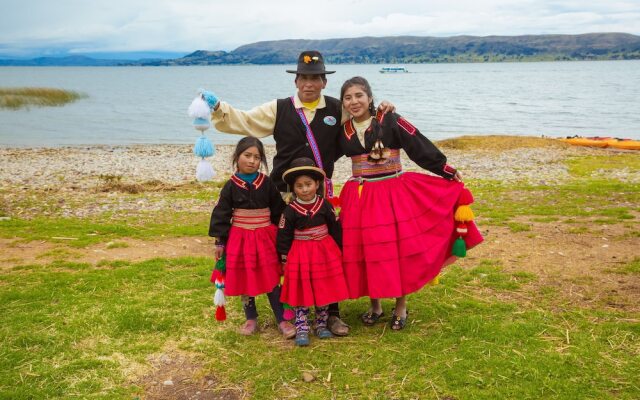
204	171
218	279
462	229
200	112
221	313
463	214
215	274
221	264
459	248
199	109
203	147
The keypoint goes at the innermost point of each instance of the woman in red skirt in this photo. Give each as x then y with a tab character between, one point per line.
398	227
243	223
308	239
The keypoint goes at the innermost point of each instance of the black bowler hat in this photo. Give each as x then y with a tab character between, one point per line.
302	166
310	62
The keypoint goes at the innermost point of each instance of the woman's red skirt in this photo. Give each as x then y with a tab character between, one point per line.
313	274
253	265
398	233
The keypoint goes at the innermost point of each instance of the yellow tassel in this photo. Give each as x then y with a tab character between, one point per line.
463	214
360	190
288	197
435	281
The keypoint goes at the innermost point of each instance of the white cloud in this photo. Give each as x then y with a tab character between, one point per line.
172	25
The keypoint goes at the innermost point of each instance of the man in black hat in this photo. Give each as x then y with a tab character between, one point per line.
307	124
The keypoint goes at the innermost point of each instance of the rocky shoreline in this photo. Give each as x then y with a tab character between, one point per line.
87	167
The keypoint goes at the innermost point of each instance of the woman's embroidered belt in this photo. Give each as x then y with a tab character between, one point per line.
362	168
251	219
316	233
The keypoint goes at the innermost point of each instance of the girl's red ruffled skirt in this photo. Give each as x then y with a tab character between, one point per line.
398	233
253	265
313	274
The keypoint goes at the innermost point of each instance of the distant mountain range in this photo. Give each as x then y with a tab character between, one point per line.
397	49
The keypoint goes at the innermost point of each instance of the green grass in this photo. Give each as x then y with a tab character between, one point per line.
631	268
117	245
70	329
588	166
584	200
15	98
78	232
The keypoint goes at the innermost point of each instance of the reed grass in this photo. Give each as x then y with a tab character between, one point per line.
16	98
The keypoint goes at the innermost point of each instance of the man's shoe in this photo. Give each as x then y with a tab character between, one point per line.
337	326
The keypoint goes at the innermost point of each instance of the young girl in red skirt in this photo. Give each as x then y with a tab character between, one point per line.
308	239
243	223
398	227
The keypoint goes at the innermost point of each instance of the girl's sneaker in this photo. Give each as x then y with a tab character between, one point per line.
302	338
323	333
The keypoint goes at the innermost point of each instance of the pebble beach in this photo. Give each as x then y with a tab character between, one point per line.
86	167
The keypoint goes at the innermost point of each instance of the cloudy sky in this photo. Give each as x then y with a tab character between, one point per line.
37	27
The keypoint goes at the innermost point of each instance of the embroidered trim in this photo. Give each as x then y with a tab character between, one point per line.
349	130
259	180
303	211
380	116
316	233
243	184
406	125
361	167
251	218
448	169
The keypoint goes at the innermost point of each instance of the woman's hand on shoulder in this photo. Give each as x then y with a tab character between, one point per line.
457	177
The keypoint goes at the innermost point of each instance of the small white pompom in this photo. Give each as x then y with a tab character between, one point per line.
204	171
199	109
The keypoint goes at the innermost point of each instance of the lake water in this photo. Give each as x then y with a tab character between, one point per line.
144	105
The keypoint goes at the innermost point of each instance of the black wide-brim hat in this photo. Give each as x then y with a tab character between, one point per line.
303	166
310	62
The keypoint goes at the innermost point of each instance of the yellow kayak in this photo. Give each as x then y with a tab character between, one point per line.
582	141
626	144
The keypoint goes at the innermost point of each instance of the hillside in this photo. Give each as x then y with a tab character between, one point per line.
397	49
415	49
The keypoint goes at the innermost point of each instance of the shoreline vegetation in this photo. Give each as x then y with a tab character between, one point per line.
24	97
105	293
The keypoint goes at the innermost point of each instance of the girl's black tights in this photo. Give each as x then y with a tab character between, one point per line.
251	312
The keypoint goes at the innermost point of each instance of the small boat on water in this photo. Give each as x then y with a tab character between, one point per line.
602	142
393	70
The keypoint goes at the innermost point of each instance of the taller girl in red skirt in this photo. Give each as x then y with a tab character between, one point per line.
398	227
243	223
309	237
